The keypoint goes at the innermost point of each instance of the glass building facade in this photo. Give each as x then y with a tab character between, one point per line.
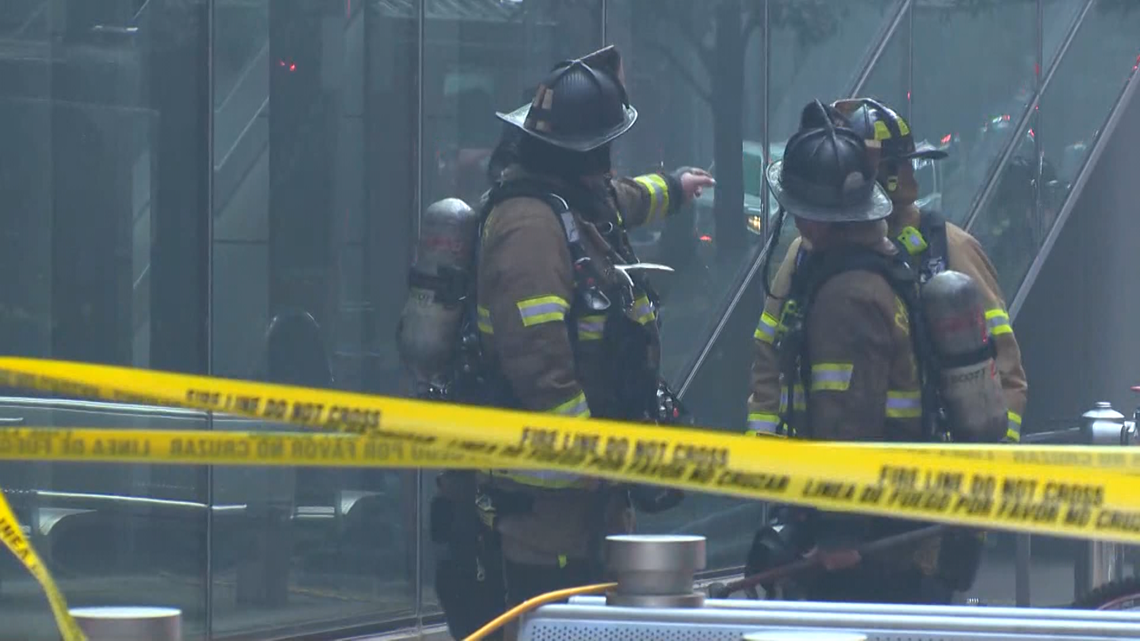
233	187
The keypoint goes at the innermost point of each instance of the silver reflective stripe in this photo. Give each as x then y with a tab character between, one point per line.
999	319
642	310
544	309
904	404
766	423
835	377
539	309
1013	427
658	195
591	327
765	329
576	406
798	399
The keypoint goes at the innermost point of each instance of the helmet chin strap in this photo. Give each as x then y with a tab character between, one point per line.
892	176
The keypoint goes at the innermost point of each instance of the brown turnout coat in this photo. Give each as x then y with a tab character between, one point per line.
526	294
964	255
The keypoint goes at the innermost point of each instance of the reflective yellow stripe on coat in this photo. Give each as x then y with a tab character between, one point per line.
998	322
1013	428
832	377
591	328
642	311
763	424
766	329
658	195
904	404
543	309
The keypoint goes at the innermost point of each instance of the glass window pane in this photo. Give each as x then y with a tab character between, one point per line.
315	123
1056	20
102	187
816	52
992	50
889	80
1103	56
1030	191
480	58
692	78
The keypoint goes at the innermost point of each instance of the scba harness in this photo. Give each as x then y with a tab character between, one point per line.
470	579
640	394
960	550
813	271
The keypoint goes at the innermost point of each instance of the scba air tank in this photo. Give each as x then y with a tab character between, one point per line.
969	383
440	278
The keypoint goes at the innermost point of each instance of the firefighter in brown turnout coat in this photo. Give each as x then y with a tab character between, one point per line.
931	245
567	319
849	349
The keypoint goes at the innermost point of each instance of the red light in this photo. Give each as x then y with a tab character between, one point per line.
908	95
946	139
1031	134
706	239
1005	117
293	67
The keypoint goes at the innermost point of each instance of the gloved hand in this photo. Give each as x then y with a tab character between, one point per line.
693	180
833	560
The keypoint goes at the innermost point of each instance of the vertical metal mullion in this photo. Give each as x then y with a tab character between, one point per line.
421	46
766	69
1038	150
765	85
208	304
910	63
605	20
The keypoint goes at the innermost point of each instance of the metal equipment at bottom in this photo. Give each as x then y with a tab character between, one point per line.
129	623
654	570
654	600
586	619
803	636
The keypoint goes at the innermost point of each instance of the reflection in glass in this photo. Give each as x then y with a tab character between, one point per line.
889	80
101	184
1031	190
313	100
992	50
816	50
485	58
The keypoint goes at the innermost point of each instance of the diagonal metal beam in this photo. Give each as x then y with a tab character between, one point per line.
881	45
1127	95
759	255
983	197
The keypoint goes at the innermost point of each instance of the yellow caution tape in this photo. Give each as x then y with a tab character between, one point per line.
308	449
19	546
965	485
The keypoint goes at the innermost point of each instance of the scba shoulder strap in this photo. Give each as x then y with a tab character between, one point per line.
926	246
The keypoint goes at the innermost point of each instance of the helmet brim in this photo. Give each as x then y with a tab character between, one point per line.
926	152
878	208
517	118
